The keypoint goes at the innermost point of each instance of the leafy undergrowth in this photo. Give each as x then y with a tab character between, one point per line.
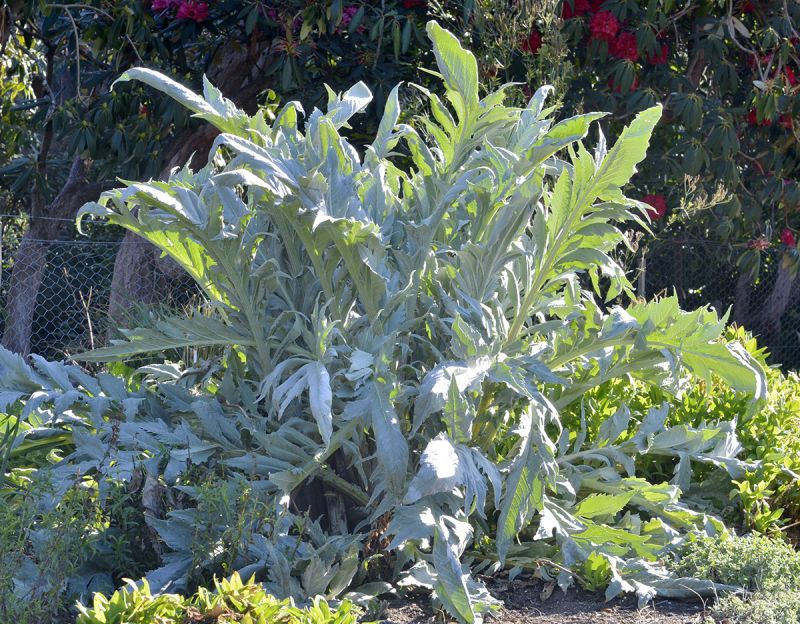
762	497
389	381
232	601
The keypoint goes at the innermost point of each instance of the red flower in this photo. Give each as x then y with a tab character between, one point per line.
787	238
752	119
143	110
532	44
624	47
748	7
758	243
596	5
788	73
578	8
659	59
786	122
604	26
617	88
190	9
659	206
415	4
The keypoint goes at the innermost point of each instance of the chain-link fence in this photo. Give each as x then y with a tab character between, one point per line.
69	312
704	272
54	294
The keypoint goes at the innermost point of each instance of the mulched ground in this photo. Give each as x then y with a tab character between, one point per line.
523	605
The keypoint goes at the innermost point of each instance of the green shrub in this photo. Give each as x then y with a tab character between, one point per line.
766	572
233	600
753	563
760	608
761	496
42	551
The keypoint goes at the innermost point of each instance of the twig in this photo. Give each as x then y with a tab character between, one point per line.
77	48
789	526
88	7
86	303
732	31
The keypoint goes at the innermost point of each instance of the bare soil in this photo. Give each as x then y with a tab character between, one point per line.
524	605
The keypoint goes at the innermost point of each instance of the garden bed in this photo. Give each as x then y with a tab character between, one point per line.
523	605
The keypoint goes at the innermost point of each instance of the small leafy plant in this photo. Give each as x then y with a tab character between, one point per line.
397	329
762	497
233	600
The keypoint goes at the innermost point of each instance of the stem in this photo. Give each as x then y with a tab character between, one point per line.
580	350
316	463
329	477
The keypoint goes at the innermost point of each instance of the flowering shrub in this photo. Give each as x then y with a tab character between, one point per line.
533	42
732	118
604	26
659	206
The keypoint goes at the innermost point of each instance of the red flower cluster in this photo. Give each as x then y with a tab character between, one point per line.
604	26
624	47
659	206
759	244
659	59
197	11
786	122
532	44
187	9
748	7
752	119
415	4
787	238
788	73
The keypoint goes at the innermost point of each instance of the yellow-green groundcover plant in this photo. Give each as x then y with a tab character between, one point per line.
232	601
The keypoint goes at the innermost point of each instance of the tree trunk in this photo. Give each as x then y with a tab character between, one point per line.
769	323
238	71
30	260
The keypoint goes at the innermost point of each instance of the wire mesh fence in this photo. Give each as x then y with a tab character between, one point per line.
704	272
68	312
54	295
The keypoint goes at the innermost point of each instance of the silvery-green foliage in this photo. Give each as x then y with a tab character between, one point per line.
426	323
